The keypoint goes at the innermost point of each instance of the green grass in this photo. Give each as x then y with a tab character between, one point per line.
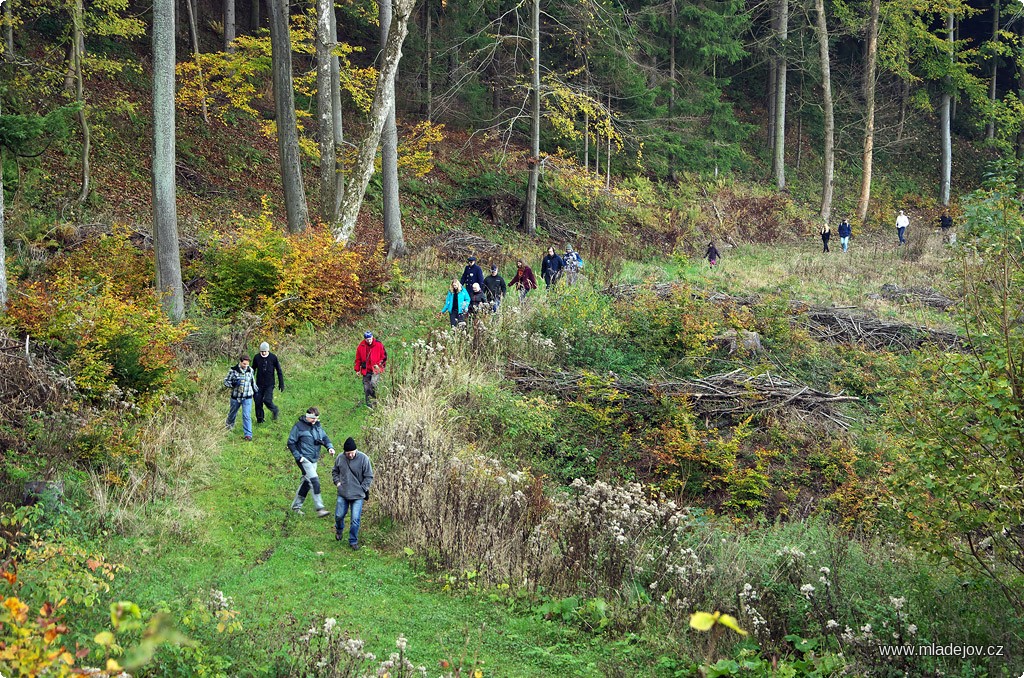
275	564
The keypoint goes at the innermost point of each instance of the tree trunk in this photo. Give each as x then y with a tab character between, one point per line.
528	222
336	113
990	128
3	248
229	25
284	105
608	160
672	85
389	156
165	215
78	48
780	97
8	31
830	126
773	69
429	61
904	100
194	34
325	109
944	123
254	16
586	120
871	61
383	101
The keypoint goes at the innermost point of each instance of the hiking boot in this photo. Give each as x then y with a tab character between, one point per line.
354	547
248	439
320	513
339	535
274	416
298	510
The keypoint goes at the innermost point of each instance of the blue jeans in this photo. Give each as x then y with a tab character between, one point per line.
845	242
340	509
246	405
900	230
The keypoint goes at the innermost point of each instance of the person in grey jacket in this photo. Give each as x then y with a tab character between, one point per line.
352	475
304	442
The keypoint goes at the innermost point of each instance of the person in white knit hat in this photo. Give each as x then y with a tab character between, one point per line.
266	364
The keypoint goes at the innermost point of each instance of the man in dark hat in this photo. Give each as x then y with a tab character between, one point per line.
472	274
495	286
352	475
370	361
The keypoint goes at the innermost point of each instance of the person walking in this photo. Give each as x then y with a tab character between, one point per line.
573	265
371	359
551	267
265	364
712	254
902	221
477	300
845	231
826	233
946	224
523	279
352	475
242	382
471	274
304	442
456	303
495	287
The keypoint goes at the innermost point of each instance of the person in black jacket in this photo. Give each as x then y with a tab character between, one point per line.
265	364
472	274
478	300
551	267
495	287
712	254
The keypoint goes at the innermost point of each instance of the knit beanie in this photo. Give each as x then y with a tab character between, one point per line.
350	445
265	347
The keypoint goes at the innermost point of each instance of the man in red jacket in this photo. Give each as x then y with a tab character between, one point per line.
370	360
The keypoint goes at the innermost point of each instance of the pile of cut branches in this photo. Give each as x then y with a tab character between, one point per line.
920	295
836	326
730	394
30	383
459	244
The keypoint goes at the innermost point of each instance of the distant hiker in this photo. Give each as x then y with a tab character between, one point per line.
478	300
712	254
551	267
265	364
472	274
523	279
242	383
946	224
826	233
845	231
353	476
456	303
573	264
304	442
902	221
495	287
371	358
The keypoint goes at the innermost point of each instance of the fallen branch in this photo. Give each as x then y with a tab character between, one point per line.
458	244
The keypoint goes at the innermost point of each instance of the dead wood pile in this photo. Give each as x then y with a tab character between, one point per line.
920	295
459	244
29	384
730	394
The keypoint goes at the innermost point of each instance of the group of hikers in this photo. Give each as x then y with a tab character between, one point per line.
253	381
473	294
902	223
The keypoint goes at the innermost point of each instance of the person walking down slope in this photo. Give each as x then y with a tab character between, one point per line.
712	254
946	224
845	231
265	364
495	287
352	475
371	358
551	267
573	265
902	221
304	442
826	233
456	304
477	300
471	274
242	382
523	279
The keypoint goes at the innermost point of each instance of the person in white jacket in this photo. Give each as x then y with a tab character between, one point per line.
902	221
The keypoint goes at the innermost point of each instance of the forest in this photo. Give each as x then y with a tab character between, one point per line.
763	417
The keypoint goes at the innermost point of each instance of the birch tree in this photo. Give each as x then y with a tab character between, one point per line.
945	121
284	105
389	155
325	109
229	25
528	222
383	100
870	67
782	33
829	150
165	216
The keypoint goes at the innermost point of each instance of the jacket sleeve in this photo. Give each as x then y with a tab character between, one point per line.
383	356
447	303
293	439
229	380
465	276
502	289
280	374
336	470
531	278
367	480
326	441
358	351
463	301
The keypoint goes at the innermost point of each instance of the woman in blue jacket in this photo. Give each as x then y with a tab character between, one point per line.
845	231
457	303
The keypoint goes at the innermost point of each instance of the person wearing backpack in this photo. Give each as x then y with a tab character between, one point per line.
352	475
573	265
242	382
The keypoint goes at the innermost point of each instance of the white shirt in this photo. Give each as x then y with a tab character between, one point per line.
902	221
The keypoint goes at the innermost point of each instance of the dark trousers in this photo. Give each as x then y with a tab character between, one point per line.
456	317
265	396
824	241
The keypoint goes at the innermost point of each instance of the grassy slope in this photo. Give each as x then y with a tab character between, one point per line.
274	564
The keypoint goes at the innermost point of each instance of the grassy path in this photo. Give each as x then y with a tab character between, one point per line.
273	563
